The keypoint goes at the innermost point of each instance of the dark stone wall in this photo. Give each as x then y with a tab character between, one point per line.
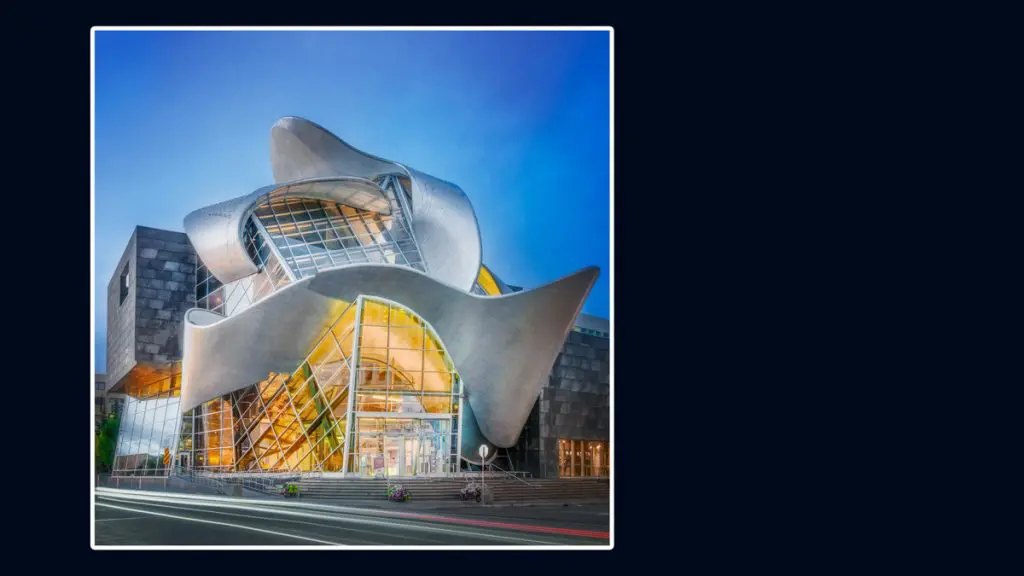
166	281
121	317
147	327
572	405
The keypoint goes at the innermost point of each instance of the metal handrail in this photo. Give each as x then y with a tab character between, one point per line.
507	473
260	480
199	478
471	475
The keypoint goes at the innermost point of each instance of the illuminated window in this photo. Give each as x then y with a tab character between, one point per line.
316	235
581	458
299	421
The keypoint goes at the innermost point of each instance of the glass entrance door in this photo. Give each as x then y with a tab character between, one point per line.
407	447
394	452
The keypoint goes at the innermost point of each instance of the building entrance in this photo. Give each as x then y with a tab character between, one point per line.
402	447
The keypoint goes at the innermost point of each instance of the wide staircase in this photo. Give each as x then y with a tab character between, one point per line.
506	490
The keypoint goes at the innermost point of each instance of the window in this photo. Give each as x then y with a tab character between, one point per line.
590	332
578	458
124	282
316	235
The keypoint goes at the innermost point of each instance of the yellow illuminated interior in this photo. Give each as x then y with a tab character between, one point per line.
297	421
486	281
583	458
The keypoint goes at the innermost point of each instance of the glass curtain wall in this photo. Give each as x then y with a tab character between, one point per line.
233	297
207	432
288	422
149	422
407	396
311	236
403	419
317	235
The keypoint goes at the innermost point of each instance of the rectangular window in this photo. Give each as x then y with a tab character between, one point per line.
578	458
124	281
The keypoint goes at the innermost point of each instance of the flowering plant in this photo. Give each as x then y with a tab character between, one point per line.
290	490
478	492
470	492
398	494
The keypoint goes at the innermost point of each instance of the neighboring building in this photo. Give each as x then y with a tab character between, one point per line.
107	404
567	433
382	351
152	288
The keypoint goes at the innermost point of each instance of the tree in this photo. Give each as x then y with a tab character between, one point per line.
106	441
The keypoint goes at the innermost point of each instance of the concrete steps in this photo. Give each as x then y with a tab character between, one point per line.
505	490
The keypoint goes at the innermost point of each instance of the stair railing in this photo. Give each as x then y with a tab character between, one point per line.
507	473
200	478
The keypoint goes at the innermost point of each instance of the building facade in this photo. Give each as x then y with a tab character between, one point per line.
340	320
568	431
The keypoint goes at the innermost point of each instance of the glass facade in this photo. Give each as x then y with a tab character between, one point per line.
407	396
402	447
233	297
149	421
378	374
577	458
316	235
288	422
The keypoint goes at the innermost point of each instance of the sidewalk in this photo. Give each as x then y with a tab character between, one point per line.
379	504
448	504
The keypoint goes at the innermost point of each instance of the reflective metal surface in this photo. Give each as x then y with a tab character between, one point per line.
442	217
446	229
503	346
302	149
216	231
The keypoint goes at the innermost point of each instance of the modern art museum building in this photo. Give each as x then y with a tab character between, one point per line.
341	320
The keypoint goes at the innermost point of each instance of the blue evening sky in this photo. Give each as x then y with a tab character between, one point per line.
519	120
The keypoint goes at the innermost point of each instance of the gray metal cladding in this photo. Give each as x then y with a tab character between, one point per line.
216	231
442	217
503	347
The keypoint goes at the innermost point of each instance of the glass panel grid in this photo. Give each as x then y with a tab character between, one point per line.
283	423
402	369
234	297
317	235
298	422
149	420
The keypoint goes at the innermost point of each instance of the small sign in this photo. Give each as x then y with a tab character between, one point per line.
167	456
483	451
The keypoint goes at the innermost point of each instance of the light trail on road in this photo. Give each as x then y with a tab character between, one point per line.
333	525
239	526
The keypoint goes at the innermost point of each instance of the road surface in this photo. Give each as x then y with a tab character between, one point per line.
140	518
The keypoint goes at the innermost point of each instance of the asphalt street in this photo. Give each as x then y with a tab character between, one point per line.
140	518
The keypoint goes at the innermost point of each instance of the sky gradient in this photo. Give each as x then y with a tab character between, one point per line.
519	120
